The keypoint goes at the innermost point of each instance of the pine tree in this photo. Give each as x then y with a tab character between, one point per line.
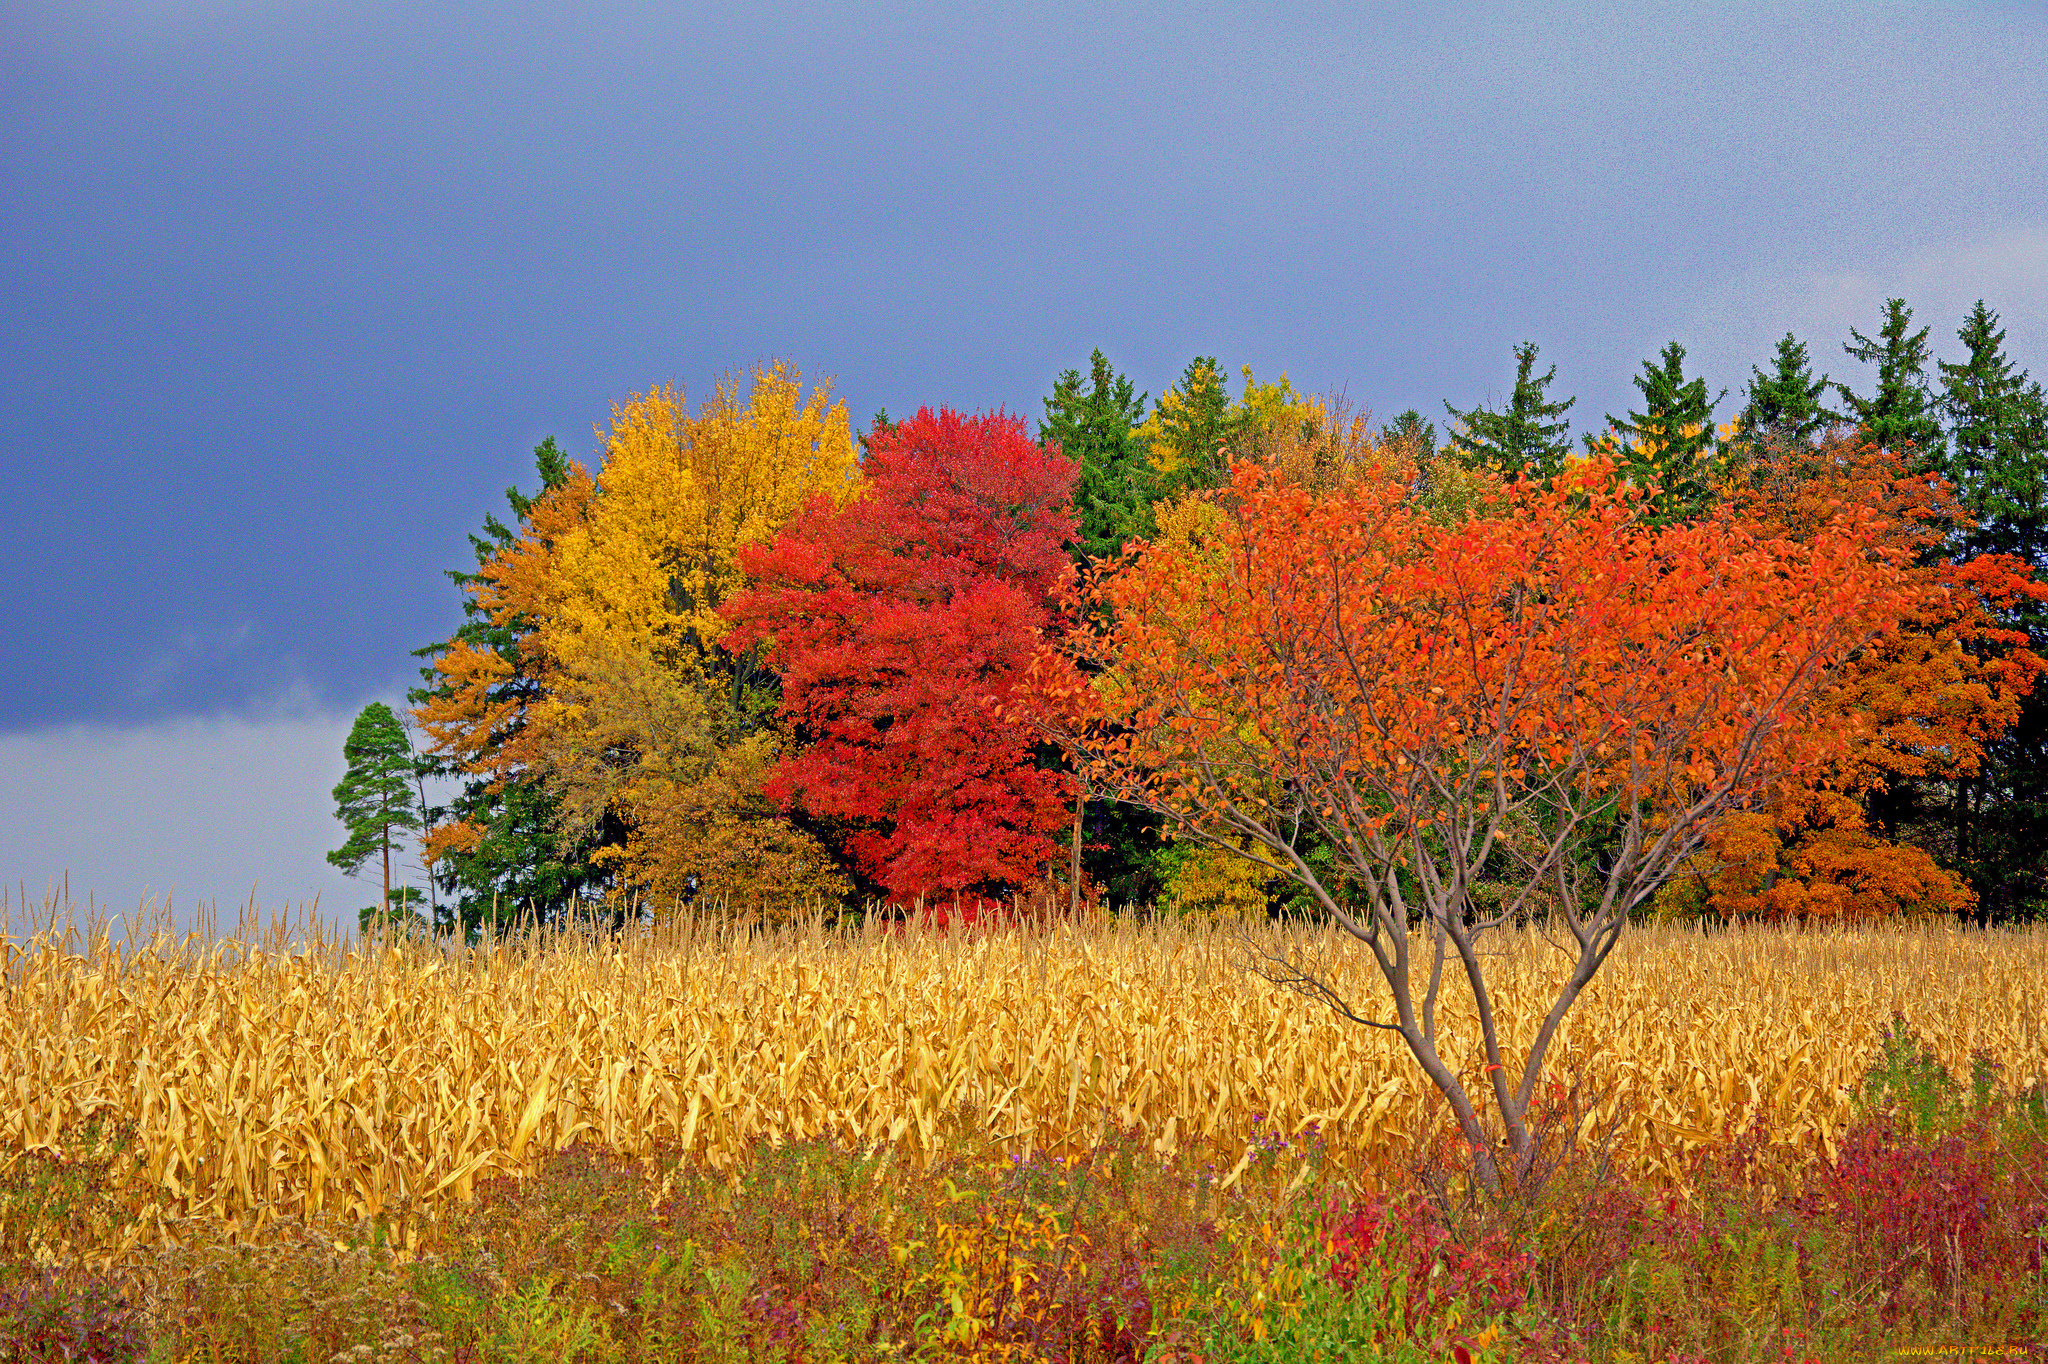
1901	413
1670	443
1785	405
1093	422
1529	437
375	799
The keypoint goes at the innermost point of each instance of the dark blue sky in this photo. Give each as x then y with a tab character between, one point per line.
291	290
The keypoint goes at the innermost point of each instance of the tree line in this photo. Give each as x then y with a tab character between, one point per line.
753	660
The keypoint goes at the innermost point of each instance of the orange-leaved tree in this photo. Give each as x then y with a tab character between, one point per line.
1931	695
1551	677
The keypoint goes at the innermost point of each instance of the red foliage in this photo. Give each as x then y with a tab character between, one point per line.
897	621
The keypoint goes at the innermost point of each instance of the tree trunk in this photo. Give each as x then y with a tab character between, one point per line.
1074	869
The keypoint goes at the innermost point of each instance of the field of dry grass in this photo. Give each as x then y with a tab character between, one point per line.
269	1074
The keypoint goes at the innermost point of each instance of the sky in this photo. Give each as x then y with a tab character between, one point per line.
290	291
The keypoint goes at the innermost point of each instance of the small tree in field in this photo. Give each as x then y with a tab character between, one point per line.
1554	682
376	799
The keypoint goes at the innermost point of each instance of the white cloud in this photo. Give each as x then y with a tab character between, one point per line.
215	809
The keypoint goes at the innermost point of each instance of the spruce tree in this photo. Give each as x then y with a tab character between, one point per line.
1901	413
1785	405
1093	421
1669	445
1196	429
1998	445
375	800
1997	460
1529	436
1411	432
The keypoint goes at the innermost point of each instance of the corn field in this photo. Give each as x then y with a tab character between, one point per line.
272	1074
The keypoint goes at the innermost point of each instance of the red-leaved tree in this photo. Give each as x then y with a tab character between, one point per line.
1378	706
898	622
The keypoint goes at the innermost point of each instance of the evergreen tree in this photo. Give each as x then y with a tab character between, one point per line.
1093	422
1901	412
1997	460
1998	445
1785	405
1670	443
1411	431
1530	436
375	799
519	866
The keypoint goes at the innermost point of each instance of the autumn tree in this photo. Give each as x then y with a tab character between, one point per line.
641	732
1528	435
1668	447
1556	675
646	720
895	621
1928	703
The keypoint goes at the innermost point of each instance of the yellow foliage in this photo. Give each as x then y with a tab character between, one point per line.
681	495
635	713
646	718
1277	407
1165	435
1196	428
1211	881
480	721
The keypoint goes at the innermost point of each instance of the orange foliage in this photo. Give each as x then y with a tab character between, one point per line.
1329	643
481	722
1551	681
1924	700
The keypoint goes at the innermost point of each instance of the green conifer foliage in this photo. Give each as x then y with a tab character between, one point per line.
1997	460
1901	413
521	864
1670	443
1786	404
1998	445
375	799
1092	421
1529	436
1196	428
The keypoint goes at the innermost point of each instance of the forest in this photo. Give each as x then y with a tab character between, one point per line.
749	661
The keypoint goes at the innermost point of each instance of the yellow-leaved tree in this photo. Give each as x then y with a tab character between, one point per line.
640	719
1196	428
